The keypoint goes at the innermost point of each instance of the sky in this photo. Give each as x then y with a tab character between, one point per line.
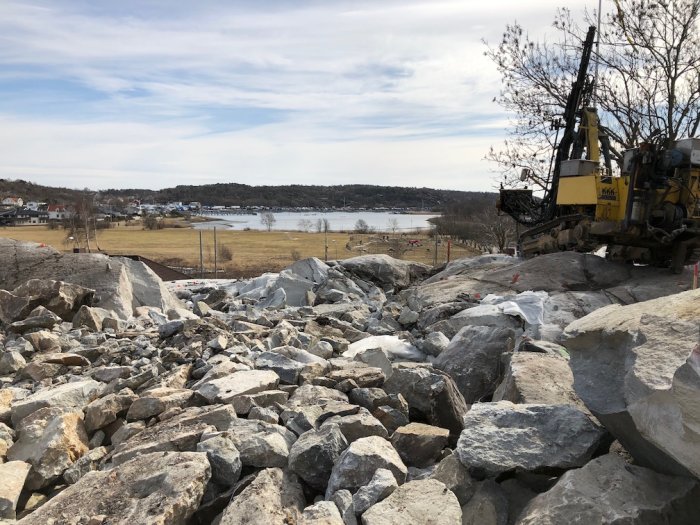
155	93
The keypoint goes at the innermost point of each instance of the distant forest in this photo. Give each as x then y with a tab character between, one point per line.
353	196
231	194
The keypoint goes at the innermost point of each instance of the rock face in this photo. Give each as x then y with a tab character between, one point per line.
159	488
418	502
607	491
501	437
637	368
274	496
13	475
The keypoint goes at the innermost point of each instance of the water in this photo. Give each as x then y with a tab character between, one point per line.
338	220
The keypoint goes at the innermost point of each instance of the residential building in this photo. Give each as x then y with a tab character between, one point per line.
12	201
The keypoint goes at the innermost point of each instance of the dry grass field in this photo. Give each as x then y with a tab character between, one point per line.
252	252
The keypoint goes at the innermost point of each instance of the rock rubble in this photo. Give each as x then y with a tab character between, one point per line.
371	390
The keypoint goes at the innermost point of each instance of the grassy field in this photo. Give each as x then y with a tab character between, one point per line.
252	252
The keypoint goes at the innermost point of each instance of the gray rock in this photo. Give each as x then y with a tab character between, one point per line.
227	389
69	395
11	362
356	426
538	378
85	464
488	506
159	489
91	317
382	484
287	369
322	513
243	404
432	394
419	445
308	394
473	359
165	330
156	401
390	418
313	455
103	411
13	475
264	414
501	437
58	297
343	500
455	476
261	444
321	349
224	459
275	496
179	433
51	440
377	358
607	490
357	464
423	502
311	269
385	271
636	369
434	343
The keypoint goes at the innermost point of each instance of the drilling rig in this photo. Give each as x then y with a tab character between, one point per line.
648	213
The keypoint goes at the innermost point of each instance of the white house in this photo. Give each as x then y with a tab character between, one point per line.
13	201
58	212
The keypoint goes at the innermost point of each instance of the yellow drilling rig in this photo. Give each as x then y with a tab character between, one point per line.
649	213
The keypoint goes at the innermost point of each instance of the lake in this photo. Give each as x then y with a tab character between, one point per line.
338	220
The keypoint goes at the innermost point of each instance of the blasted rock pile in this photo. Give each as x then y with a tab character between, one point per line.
370	390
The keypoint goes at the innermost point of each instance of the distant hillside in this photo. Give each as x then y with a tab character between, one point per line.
353	196
36	192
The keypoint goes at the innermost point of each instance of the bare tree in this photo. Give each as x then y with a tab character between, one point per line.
323	225
305	225
361	226
393	225
648	82
268	220
497	230
80	224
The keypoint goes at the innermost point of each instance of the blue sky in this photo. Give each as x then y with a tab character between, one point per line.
150	94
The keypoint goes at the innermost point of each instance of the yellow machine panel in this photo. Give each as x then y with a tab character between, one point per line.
612	197
580	190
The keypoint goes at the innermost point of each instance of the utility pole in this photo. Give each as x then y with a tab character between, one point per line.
216	265
436	248
201	256
325	242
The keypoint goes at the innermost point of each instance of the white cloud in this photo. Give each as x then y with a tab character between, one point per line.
391	92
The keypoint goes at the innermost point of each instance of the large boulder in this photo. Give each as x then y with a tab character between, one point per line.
385	271
503	437
473	359
274	497
637	368
120	284
431	395
609	491
422	502
159	489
